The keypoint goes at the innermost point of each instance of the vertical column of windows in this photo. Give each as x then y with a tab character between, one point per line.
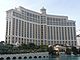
37	36
27	18
54	21
33	30
47	20
39	31
38	19
43	19
27	29
51	33
36	31
74	30
54	34
19	27
30	30
65	33
45	31
71	33
16	27
13	28
57	35
32	33
57	32
62	33
22	28
42	34
9	27
68	33
48	33
6	27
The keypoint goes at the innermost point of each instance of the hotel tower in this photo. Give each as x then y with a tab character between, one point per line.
27	26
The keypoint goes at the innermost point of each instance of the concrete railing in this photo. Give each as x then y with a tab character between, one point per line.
24	56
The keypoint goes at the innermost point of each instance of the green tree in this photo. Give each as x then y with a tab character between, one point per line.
74	50
68	51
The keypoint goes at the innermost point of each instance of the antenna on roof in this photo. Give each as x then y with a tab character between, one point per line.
43	2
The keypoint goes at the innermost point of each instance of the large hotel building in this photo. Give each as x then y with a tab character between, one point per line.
27	26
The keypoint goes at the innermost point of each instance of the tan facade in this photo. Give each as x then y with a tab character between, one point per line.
26	26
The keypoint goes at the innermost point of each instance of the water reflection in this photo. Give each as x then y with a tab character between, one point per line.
65	57
57	58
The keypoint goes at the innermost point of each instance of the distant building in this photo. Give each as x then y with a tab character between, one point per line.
27	26
78	40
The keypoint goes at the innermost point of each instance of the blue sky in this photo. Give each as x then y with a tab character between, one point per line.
70	8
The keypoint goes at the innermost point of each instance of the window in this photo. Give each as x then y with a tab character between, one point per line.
48	32
12	39
13	26
25	30
19	27
30	30
39	31
16	27
9	27
22	28
6	27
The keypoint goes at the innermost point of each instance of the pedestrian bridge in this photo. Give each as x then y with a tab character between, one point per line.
24	56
